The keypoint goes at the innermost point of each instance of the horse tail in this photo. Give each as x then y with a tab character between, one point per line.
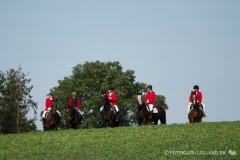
163	118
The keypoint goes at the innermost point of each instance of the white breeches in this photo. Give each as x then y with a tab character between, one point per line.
189	105
44	113
151	107
79	111
116	107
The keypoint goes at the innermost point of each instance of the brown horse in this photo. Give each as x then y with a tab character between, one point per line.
196	112
143	112
108	114
73	119
52	118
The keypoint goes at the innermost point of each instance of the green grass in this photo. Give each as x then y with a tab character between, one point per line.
145	142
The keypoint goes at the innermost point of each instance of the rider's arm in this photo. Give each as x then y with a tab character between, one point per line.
69	102
78	104
199	97
113	97
48	104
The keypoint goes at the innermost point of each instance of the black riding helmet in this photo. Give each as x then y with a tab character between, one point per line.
110	88
51	94
149	86
103	91
196	87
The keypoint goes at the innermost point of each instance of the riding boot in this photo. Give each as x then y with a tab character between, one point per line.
150	115
204	115
117	116
44	122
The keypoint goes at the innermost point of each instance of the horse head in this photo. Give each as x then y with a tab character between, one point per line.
72	118
69	111
105	102
139	98
195	104
54	108
142	114
194	97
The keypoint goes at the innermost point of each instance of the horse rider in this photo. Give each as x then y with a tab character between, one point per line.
112	96
48	105
199	99
75	102
150	99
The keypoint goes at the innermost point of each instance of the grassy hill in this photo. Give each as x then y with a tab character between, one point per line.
214	140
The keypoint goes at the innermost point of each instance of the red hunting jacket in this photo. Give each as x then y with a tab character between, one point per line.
150	97
74	102
48	103
198	95
112	98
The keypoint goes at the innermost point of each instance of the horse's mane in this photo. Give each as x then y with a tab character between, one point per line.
54	104
105	100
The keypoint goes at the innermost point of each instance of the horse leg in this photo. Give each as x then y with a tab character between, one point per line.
144	121
191	119
69	124
162	117
104	124
139	123
111	123
46	127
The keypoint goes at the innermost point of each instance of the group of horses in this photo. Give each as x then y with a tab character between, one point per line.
109	117
53	119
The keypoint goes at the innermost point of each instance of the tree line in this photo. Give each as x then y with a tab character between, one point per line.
88	80
15	102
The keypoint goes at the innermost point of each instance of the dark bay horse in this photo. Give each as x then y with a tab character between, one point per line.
159	112
108	115
52	118
73	119
196	112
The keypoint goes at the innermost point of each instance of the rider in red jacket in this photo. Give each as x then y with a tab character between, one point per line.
48	102
198	97
150	99
112	96
75	102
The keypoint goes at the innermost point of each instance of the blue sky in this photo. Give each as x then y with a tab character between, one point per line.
172	45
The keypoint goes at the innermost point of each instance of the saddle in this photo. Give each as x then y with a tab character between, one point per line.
155	109
199	106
